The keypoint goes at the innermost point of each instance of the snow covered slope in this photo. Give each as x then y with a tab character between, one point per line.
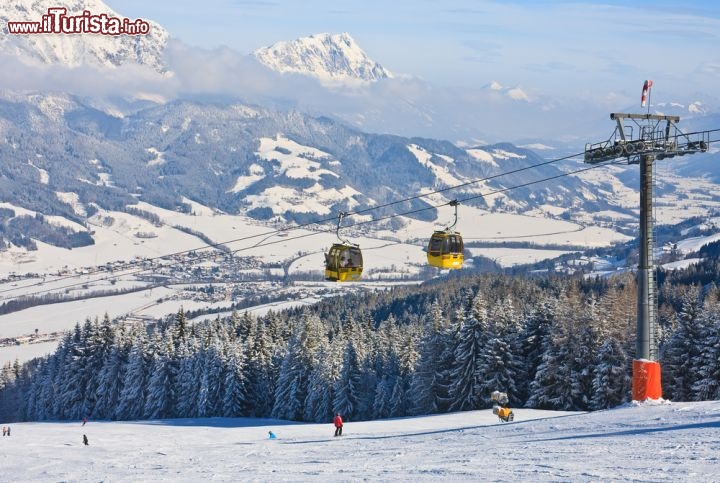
646	442
330	58
80	49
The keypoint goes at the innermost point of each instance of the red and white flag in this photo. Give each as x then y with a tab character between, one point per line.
645	93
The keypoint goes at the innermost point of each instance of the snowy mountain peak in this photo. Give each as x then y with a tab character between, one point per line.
88	46
514	93
697	107
495	86
683	109
327	57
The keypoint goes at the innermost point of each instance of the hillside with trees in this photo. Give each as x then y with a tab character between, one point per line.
551	343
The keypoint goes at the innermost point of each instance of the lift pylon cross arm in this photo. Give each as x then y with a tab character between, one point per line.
655	117
638	135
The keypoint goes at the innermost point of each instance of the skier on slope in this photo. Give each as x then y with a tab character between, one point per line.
338	424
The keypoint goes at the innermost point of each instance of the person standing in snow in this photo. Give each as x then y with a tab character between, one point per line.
338	424
84	421
85	440
4	431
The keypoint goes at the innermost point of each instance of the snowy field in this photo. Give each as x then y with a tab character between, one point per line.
117	239
508	257
686	197
638	442
388	255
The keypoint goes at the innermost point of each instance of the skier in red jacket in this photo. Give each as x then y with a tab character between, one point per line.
338	424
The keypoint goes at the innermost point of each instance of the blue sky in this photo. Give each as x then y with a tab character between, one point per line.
543	47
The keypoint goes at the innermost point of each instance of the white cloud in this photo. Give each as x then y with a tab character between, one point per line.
83	80
403	105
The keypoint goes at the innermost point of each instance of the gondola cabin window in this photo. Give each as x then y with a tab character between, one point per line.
436	245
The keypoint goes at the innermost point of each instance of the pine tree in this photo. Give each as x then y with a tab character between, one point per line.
680	357
534	341
551	388
71	385
159	398
99	338
500	365
496	370
291	389
347	387
707	385
8	391
611	376
399	400
429	380
318	403
464	391
235	396
209	391
504	320
261	373
244	325
180	330
190	363
131	402
27	390
383	406
110	381
46	380
582	362
53	397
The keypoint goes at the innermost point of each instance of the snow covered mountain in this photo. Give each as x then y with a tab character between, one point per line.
74	50
248	159
271	164
330	58
514	93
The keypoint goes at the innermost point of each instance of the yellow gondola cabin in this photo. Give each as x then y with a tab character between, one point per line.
343	263
445	250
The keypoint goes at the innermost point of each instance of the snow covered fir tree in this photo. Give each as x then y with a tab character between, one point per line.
551	343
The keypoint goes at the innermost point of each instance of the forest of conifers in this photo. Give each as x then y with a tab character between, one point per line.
550	343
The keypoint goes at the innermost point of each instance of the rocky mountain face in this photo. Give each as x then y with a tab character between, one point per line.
324	56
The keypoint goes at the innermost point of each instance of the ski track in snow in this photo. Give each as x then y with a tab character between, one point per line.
637	442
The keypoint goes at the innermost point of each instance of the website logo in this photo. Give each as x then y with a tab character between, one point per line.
57	21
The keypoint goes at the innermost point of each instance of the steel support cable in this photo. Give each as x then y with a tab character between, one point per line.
124	270
129	266
268	234
305	235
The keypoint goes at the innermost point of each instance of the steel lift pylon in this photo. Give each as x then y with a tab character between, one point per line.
642	139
